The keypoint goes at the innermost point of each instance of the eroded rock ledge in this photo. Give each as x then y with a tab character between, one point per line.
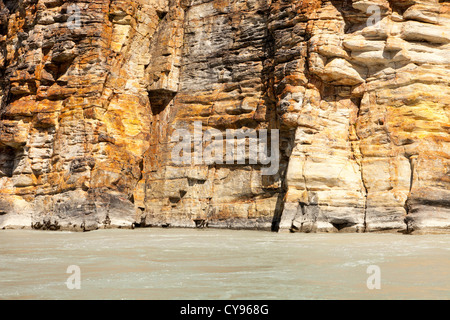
92	91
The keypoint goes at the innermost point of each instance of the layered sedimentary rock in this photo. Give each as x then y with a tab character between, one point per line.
93	92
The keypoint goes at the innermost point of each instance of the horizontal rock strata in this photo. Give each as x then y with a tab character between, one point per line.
92	94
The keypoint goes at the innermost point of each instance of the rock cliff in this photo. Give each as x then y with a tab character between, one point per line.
92	92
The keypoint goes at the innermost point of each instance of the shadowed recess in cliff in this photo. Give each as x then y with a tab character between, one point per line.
7	160
160	99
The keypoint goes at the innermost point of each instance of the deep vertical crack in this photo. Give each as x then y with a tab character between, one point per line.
407	202
358	159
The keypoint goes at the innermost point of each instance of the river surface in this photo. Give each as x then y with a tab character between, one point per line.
173	264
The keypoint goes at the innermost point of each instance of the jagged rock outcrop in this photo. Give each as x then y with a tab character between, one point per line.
92	93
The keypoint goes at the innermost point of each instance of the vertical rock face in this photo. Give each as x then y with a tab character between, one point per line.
75	118
93	93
